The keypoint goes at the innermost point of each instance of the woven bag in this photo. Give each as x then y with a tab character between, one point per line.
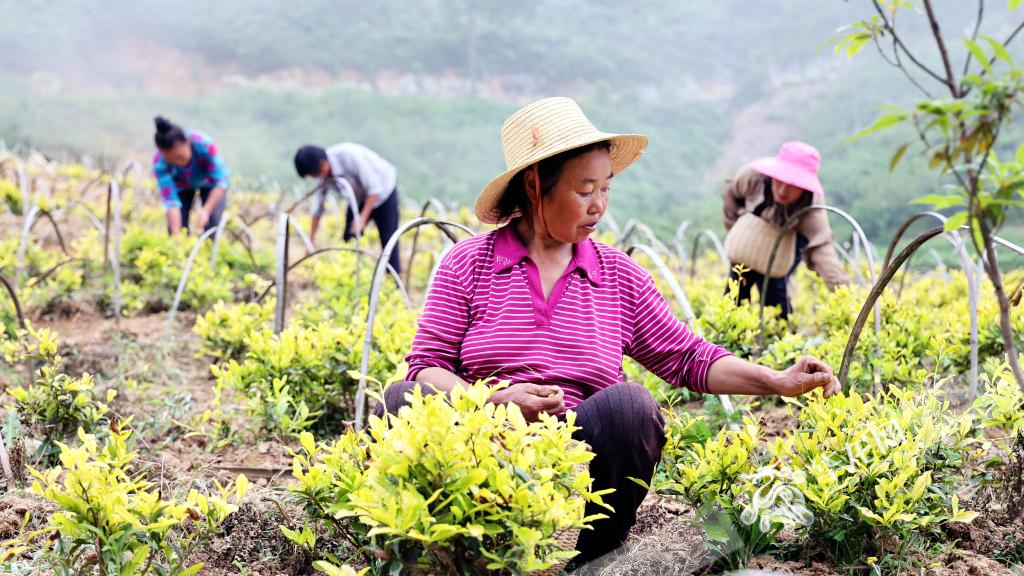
750	240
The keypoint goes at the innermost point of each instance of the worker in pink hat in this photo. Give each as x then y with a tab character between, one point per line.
758	201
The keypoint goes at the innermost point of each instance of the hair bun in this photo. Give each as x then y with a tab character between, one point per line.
163	125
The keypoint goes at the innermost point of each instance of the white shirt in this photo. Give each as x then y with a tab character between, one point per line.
356	173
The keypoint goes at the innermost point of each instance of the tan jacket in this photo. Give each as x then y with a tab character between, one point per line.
745	191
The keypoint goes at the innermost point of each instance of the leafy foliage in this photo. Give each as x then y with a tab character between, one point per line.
451	484
224	329
111	519
54	406
884	465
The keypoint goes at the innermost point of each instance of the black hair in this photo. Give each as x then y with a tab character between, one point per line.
515	202
308	160
167	133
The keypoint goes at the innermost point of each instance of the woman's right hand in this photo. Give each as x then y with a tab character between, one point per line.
532	399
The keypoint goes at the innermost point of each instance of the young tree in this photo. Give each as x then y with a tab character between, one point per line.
958	124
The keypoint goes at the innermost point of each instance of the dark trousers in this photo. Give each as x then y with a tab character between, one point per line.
776	294
187	196
625	428
385	217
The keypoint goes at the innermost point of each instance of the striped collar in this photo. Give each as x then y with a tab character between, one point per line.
509	251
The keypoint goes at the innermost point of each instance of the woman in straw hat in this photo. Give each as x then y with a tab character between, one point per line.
758	201
541	305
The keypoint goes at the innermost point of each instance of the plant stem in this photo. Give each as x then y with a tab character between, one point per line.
995	276
950	78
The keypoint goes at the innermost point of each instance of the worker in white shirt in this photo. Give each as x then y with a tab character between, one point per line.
360	177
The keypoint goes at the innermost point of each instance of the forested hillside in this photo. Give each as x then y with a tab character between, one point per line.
429	83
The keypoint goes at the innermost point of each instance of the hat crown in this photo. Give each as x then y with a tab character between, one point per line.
535	131
543	130
800	154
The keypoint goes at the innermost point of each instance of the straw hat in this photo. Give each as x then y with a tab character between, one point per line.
544	129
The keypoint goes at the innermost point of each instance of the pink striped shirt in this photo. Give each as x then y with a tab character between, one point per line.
486	316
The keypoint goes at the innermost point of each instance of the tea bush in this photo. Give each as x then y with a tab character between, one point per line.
714	475
299	380
879	467
223	330
110	518
54	405
451	484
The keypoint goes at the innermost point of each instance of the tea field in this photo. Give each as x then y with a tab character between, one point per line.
199	406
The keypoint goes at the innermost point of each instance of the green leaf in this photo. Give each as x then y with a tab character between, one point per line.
964	516
897	157
1000	51
716	531
978	53
939	201
881	123
956	221
1020	154
856	44
308	443
1006	202
332	570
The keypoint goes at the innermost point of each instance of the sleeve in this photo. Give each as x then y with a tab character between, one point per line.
165	183
665	346
319	199
214	163
442	325
737	194
820	254
730	204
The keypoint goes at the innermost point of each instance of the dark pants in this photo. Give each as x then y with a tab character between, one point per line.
385	217
187	196
776	293
625	428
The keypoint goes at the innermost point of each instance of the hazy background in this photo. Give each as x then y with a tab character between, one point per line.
427	83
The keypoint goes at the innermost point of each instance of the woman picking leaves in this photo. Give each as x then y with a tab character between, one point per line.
757	202
186	162
540	304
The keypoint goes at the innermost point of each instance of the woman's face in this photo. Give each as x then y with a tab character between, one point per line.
179	155
572	210
785	194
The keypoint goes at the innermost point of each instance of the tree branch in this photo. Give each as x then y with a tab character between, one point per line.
881	52
976	176
1014	34
899	64
974	35
949	164
950	78
895	62
899	43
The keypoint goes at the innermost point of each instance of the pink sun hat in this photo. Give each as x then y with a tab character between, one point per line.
796	164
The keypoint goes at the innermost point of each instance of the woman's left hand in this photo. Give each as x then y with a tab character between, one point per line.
806	375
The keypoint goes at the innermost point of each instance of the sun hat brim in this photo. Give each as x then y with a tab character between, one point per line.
789	173
625	149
